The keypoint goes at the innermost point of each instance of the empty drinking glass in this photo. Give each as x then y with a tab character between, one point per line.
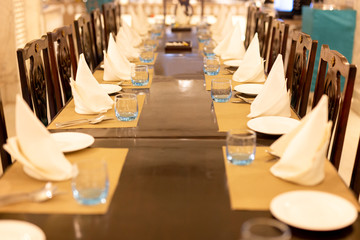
221	89
139	75
240	146
209	47
147	54
90	183
126	107
211	65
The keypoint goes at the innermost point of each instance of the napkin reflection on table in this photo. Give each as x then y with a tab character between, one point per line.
303	150
116	65
226	28
89	96
34	147
125	45
251	68
133	36
273	100
232	46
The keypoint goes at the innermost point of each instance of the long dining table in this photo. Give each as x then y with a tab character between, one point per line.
173	184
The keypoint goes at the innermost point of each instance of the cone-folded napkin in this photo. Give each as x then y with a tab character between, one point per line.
303	150
232	46
273	100
124	44
222	31
134	37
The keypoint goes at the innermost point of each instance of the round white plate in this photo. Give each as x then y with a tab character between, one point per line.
15	229
72	141
249	89
313	210
111	88
233	63
272	125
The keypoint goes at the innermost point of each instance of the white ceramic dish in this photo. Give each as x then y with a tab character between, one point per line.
249	89
272	125
313	210
233	63
111	88
15	229
72	141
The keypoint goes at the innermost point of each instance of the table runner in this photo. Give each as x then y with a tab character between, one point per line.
253	187
16	181
234	115
68	113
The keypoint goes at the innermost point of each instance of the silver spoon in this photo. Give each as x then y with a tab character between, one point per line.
41	195
95	120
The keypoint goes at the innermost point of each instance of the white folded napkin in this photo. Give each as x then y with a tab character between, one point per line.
125	45
251	68
180	16
220	19
139	20
226	27
232	46
134	37
34	147
303	150
89	96
273	100
116	65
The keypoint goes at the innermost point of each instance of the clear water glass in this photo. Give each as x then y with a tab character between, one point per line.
209	47
203	35
265	229
240	146
211	65
147	54
90	182
150	43
139	75
126	107
221	90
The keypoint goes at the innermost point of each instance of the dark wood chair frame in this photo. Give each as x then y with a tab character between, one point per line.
37	85
278	41
300	69
117	13
333	65
355	176
84	39
250	24
5	156
108	11
263	23
98	35
63	59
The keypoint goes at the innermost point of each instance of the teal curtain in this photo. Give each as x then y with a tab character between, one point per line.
335	28
92	4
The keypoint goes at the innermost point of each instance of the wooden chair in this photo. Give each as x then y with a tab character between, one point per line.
108	10
355	176
37	85
278	40
117	13
98	35
300	70
329	82
263	28
250	24
62	58
84	39
5	156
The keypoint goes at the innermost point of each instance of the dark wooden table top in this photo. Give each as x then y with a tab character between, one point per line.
173	184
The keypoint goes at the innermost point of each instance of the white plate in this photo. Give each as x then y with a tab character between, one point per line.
111	88
249	89
313	210
233	63
72	141
14	229
272	125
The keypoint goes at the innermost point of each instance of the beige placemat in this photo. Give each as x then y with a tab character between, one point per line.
234	115
253	187
68	113
16	181
98	74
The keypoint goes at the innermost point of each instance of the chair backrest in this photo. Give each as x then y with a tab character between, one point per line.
117	12
278	40
329	82
250	24
98	35
108	10
84	39
355	176
5	156
62	58
263	28
300	70
37	85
